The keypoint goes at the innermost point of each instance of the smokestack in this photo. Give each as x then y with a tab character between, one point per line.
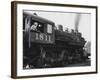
77	22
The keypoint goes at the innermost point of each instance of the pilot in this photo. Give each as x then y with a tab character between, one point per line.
34	26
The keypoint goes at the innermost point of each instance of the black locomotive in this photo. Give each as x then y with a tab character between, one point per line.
46	46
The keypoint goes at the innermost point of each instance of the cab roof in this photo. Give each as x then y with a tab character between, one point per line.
38	18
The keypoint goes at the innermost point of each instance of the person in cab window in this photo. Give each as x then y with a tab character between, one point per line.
34	26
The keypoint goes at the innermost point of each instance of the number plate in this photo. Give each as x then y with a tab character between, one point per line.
41	38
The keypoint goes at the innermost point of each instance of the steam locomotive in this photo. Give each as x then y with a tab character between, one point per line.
45	46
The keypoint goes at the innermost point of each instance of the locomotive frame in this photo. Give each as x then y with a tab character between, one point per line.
17	70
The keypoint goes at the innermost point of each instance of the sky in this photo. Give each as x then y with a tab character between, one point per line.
68	19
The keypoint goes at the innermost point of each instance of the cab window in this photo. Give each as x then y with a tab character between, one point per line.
37	26
49	28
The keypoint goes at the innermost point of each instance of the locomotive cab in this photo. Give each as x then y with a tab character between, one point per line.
40	30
